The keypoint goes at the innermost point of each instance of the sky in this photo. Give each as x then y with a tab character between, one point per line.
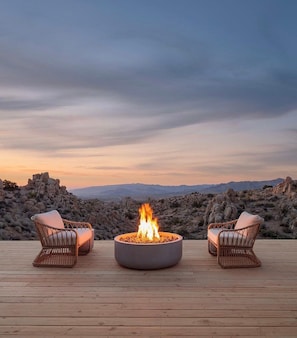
170	92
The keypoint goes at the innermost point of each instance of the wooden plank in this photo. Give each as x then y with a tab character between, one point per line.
145	331
148	320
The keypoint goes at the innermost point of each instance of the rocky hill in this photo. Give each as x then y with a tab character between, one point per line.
188	215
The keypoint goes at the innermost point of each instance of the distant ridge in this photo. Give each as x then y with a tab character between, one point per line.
141	191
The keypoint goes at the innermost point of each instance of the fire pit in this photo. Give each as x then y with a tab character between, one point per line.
148	248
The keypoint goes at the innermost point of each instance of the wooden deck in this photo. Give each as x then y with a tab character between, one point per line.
195	298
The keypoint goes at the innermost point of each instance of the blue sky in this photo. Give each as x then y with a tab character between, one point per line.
161	91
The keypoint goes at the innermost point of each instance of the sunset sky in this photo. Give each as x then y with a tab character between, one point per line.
169	92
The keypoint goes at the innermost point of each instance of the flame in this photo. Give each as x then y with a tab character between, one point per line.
148	227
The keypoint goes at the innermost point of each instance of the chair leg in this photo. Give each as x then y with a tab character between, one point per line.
56	257
235	257
212	248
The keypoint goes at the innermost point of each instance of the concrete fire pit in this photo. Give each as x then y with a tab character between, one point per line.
148	256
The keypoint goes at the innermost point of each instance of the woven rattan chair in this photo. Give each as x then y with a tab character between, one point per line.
62	240
232	242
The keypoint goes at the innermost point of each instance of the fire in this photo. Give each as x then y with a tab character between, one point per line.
148	229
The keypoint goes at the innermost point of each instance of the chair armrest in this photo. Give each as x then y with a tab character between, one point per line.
224	225
73	224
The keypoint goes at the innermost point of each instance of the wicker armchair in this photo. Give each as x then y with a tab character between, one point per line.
232	242
62	240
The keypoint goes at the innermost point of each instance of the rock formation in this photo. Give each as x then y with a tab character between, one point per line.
188	215
288	188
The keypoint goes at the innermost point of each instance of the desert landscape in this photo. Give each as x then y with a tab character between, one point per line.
187	215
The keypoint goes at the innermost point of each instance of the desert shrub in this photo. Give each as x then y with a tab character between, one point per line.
196	204
269	233
175	221
268	217
201	222
287	231
175	204
9	186
268	205
129	215
265	204
32	194
273	198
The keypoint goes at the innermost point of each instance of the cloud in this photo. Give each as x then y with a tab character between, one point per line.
17	105
125	85
168	85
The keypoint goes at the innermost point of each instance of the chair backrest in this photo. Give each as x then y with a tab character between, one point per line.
51	218
246	219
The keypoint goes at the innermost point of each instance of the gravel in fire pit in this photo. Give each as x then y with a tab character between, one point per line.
133	238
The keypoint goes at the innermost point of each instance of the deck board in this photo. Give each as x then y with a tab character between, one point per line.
195	298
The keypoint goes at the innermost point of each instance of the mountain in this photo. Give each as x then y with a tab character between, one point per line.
141	191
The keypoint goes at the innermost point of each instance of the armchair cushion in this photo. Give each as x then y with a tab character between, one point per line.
69	236
246	219
51	218
226	237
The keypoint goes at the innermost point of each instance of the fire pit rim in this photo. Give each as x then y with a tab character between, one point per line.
179	237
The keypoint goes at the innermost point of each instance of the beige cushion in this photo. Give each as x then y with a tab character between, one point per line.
83	235
51	218
227	237
246	219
